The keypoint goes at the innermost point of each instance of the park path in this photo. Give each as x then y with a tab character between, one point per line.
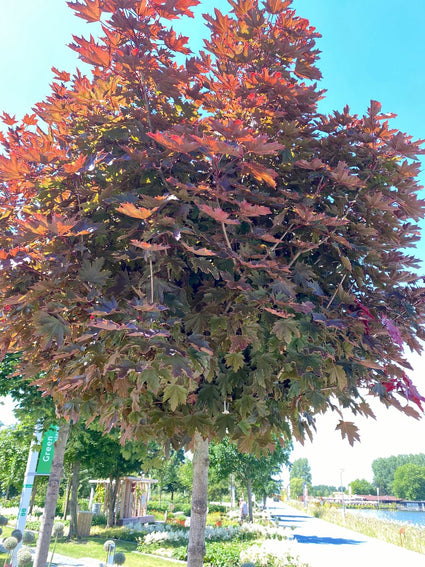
63	561
322	544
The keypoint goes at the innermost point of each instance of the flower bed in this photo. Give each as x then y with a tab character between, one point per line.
263	546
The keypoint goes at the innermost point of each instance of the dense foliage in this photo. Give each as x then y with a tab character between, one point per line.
300	468
188	248
362	486
179	240
384	469
409	482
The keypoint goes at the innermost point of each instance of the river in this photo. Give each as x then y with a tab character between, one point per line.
399	516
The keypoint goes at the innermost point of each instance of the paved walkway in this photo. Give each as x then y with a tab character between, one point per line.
322	544
63	561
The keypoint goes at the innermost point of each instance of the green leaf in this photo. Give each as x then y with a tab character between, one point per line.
92	272
286	330
51	327
346	263
244	426
176	394
338	376
235	360
152	379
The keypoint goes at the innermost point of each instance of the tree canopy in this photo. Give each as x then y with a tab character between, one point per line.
301	469
188	247
384	469
193	246
362	486
409	482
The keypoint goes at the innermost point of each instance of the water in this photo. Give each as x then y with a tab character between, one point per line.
399	516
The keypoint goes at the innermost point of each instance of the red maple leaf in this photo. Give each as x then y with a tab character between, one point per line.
248	210
90	52
217	214
61	75
176	43
7	119
90	11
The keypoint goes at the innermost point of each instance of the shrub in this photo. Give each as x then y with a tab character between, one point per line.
219	554
217	508
33	525
99	520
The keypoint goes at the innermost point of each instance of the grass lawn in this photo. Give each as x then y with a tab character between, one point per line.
93	547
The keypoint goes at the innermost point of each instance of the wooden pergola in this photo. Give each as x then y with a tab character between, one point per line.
132	500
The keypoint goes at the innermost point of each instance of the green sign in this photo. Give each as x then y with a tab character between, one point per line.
47	449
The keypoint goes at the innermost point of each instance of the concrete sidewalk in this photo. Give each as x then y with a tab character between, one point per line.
322	544
63	561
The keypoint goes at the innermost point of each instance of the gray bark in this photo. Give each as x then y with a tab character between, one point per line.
66	503
112	501
198	516
249	498
48	518
73	504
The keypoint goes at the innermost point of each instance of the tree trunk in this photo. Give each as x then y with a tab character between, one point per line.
43	542
66	503
198	516
249	498
112	500
73	504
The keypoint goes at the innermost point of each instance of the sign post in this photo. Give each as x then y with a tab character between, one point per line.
47	449
44	459
30	473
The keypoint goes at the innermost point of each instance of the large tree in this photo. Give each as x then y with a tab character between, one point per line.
384	469
190	250
409	482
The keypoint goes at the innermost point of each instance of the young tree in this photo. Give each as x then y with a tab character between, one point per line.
190	250
253	473
301	469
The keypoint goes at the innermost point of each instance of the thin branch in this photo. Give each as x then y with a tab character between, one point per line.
151	277
223	226
273	248
336	291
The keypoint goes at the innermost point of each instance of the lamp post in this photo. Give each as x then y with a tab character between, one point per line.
343	495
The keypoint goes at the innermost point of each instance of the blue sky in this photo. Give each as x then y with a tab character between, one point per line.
371	49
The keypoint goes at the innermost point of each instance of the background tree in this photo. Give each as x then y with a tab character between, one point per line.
193	251
384	469
322	490
296	486
362	486
251	473
164	466
301	469
14	447
409	482
117	460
